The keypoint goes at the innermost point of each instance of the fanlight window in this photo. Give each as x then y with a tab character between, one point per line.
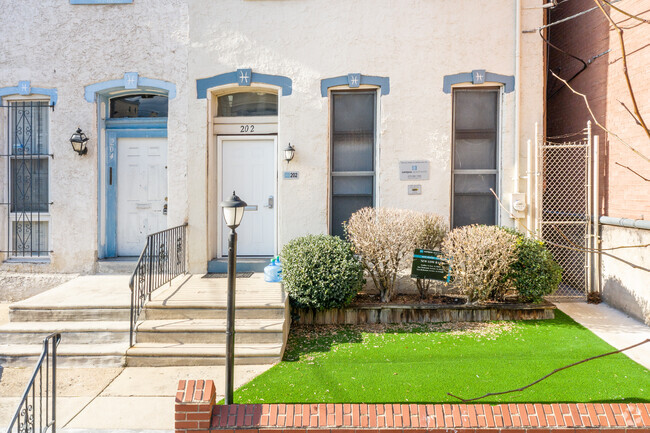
138	106
247	104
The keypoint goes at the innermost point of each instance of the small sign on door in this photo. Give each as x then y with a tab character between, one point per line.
291	175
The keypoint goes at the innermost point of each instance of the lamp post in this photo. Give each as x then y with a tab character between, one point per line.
233	212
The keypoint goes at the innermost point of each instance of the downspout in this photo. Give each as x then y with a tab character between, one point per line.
517	97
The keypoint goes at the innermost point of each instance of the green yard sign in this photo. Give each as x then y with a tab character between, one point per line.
430	265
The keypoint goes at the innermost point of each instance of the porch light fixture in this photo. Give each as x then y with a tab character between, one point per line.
233	211
78	141
289	152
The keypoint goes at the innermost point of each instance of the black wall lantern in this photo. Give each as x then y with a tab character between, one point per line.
78	141
289	152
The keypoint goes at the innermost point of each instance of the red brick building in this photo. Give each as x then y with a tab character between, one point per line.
588	55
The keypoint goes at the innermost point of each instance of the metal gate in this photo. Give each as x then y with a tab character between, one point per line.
565	220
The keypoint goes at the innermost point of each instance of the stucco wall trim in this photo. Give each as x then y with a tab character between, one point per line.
354	81
131	82
478	76
24	88
243	77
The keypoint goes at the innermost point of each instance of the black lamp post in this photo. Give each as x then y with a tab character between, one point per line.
233	211
78	141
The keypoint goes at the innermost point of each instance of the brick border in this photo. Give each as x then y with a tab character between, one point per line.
195	400
195	405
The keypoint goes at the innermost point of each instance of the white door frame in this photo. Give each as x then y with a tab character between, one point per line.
220	197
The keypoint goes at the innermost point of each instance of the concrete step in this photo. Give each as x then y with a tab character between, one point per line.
163	355
32	313
157	311
68	355
244	264
118	266
89	332
210	331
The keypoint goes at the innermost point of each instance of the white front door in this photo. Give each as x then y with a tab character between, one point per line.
248	167
141	192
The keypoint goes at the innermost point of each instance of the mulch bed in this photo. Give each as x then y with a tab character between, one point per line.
370	299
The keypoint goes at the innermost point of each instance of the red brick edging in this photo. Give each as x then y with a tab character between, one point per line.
196	412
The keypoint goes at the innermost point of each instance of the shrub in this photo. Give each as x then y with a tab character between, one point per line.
534	273
320	272
431	232
384	239
480	259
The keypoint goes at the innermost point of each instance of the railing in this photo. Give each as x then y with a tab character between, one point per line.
37	409
162	260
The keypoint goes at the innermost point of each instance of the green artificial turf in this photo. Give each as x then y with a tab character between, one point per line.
422	363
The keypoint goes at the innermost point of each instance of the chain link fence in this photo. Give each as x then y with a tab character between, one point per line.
565	216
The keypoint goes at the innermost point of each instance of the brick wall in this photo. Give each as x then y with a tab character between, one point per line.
195	400
196	412
623	194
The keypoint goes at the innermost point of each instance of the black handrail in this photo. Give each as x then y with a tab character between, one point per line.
162	260
36	411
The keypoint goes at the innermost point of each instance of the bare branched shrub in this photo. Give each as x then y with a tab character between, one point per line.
480	258
431	232
384	239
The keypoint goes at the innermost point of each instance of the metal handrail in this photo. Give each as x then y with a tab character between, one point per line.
28	414
161	260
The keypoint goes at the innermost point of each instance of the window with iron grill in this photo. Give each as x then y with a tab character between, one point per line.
28	184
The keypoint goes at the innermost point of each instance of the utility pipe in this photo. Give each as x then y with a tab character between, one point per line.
590	238
596	212
517	126
625	222
529	188
538	193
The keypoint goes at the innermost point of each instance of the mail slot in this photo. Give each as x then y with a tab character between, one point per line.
143	206
250	208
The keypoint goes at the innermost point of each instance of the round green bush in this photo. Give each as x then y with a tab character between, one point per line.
535	273
320	272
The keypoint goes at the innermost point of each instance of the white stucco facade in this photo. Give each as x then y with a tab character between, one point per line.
412	43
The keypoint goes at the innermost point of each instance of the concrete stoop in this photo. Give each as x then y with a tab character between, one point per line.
186	325
183	325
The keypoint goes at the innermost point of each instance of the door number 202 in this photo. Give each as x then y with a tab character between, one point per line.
246	128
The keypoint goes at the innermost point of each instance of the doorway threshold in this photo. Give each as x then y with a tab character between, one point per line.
244	264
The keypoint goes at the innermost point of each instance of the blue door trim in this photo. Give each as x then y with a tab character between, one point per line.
354	81
131	83
478	76
243	77
112	135
25	88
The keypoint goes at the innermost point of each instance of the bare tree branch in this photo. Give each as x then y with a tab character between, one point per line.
628	110
467	400
626	13
625	71
571	248
596	120
638	174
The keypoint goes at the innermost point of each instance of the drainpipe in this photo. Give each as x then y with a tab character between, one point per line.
517	96
596	212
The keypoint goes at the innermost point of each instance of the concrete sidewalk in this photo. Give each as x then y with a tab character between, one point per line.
114	399
613	326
